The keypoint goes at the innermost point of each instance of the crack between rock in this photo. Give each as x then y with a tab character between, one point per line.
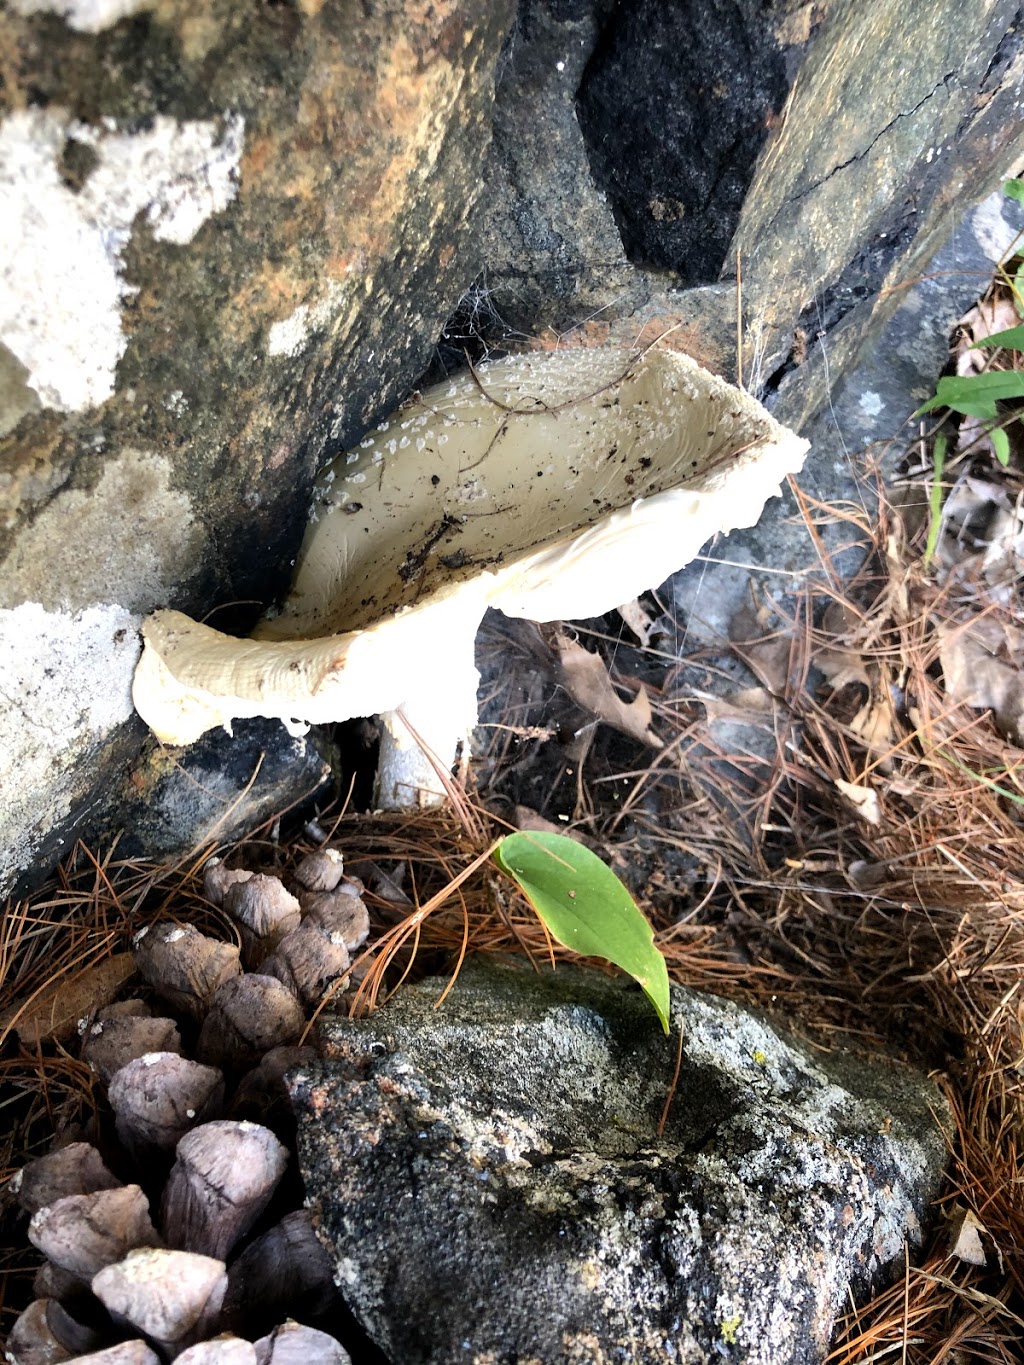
859	156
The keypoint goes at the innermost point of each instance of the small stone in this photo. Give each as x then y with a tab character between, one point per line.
157	1098
308	961
262	1095
285	1270
173	1297
321	870
222	1180
81	1233
183	966
124	1353
110	1044
32	1341
218	880
293	1344
264	912
248	1016
75	1169
340	912
222	1350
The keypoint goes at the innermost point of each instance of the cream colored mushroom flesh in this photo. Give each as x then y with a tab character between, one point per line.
549	485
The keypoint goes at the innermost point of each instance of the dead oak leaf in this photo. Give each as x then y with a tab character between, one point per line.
993	315
748	706
767	653
585	677
983	667
638	620
864	800
873	725
841	660
965	1238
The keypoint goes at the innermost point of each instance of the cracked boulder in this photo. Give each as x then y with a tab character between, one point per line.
513	1176
229	238
642	150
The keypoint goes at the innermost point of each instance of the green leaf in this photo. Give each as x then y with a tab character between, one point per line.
967	409
1000	444
1014	189
586	908
973	393
1012	339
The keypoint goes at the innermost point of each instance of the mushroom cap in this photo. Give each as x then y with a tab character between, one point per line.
549	485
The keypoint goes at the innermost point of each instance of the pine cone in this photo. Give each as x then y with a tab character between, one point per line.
176	1254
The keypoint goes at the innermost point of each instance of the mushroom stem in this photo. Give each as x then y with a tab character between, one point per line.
425	733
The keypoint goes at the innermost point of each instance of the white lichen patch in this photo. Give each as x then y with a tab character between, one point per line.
132	537
289	336
84	16
61	286
65	683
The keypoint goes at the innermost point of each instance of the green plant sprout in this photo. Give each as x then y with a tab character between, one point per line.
585	907
976	395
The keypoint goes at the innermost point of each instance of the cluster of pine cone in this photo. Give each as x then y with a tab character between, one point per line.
204	1245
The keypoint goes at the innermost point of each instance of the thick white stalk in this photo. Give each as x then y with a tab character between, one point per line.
427	732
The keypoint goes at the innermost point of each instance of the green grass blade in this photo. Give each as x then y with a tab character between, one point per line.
935	497
1012	339
967	407
955	390
586	908
1014	189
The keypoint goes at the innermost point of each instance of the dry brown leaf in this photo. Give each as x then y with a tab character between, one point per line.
750	706
983	534
973	436
965	1238
873	725
842	666
863	799
54	1013
767	654
531	821
983	320
585	677
638	620
841	662
982	661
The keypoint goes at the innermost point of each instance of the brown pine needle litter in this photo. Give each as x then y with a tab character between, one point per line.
863	875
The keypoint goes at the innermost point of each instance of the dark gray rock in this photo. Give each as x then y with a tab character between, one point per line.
550	246
675	106
216	789
854	405
492	1182
900	118
831	147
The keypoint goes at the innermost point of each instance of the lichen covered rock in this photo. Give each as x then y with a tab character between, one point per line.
229	239
496	1183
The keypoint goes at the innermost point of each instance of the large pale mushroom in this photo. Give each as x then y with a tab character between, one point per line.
550	485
